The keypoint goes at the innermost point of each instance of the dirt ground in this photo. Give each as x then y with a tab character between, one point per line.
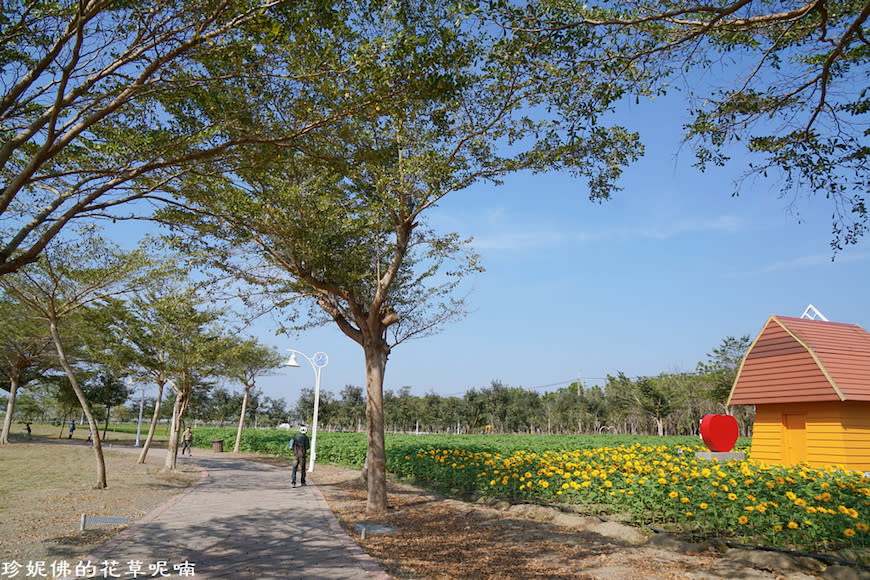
42	521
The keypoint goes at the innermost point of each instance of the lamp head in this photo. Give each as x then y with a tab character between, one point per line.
292	362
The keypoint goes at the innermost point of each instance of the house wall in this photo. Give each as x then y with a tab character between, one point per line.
828	434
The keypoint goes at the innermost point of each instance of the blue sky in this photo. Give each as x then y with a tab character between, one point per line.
648	282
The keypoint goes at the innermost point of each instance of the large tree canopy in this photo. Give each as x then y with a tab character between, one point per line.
788	81
336	226
95	104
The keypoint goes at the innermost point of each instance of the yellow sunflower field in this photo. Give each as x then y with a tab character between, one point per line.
667	486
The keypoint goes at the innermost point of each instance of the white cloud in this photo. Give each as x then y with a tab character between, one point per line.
516	238
811	261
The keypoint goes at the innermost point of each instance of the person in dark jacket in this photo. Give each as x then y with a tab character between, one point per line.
299	444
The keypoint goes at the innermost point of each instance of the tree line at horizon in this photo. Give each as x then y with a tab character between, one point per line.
670	403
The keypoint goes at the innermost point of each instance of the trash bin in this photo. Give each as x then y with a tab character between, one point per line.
217	445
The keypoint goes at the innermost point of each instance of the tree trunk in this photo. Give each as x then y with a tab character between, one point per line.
241	420
106	426
10	409
86	409
376	362
178	409
154	418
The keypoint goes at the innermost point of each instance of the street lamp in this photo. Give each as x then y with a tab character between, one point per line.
318	361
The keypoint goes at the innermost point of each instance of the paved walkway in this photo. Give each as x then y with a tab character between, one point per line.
242	520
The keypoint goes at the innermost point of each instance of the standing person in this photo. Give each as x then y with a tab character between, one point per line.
299	444
72	428
186	440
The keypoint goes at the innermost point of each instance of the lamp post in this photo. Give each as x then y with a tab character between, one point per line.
318	361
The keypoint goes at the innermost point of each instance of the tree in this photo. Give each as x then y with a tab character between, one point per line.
304	408
352	407
722	365
244	361
66	280
159	331
275	411
193	350
107	390
23	346
790	81
220	405
94	109
338	225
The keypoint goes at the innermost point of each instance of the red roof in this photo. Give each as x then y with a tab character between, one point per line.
799	360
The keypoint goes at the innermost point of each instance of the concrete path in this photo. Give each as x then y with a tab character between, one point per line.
242	520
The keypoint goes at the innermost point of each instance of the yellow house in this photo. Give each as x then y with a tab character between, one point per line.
810	383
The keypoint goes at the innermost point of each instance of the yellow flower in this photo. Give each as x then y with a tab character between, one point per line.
792	525
732	496
673	495
862	527
684	500
790	495
703	506
742	519
777	528
849	532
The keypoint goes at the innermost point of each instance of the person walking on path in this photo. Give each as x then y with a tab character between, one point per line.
299	444
72	428
186	441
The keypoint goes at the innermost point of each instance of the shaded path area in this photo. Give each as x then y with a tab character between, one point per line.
242	520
